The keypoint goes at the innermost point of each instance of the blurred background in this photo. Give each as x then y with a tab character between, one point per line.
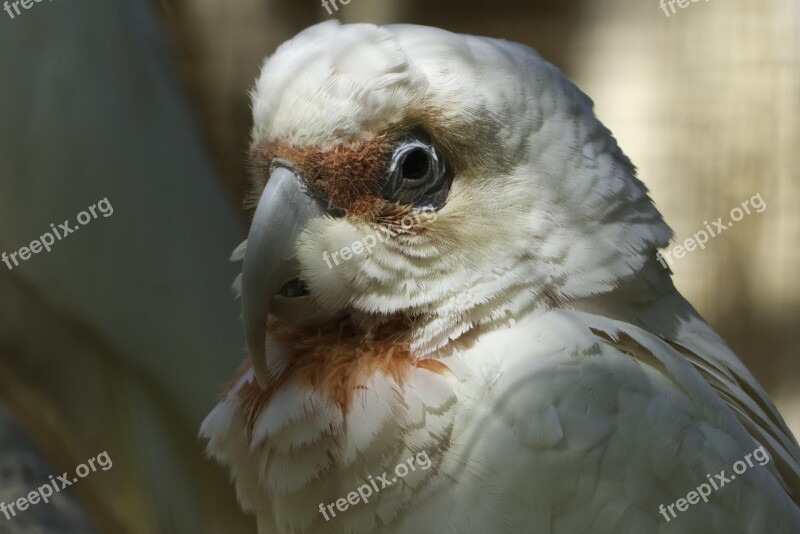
120	338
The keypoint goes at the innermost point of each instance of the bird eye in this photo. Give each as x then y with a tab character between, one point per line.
416	164
417	175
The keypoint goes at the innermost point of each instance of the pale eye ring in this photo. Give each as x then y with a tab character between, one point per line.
417	175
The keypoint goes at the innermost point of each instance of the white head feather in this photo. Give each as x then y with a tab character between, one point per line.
545	207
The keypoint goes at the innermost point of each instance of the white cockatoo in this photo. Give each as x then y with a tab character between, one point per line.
456	318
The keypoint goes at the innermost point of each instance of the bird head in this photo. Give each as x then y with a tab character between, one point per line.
454	181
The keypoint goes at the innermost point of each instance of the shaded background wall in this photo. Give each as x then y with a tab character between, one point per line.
146	103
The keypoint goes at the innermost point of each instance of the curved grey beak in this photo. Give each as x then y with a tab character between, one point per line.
284	210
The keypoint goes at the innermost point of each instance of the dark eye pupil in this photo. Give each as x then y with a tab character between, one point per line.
415	164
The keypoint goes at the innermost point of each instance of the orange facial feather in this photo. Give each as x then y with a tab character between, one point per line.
335	360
